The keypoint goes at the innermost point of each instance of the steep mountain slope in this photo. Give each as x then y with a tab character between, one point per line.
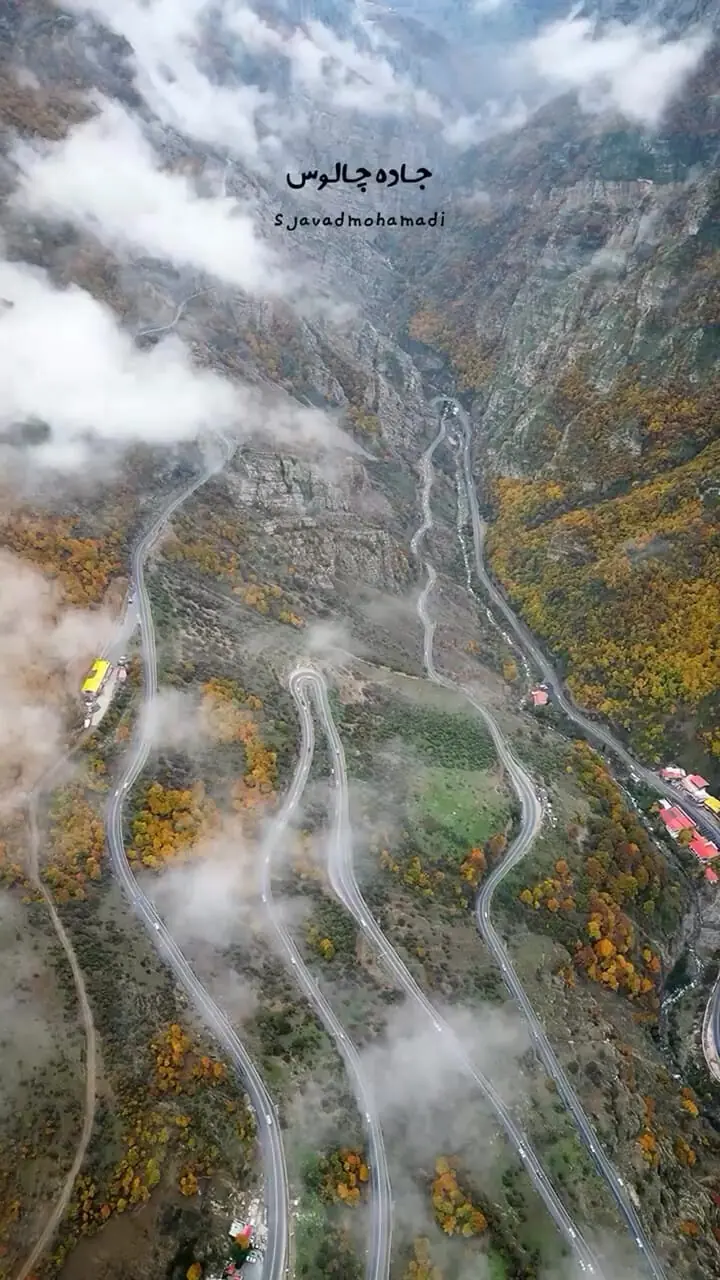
551	296
574	297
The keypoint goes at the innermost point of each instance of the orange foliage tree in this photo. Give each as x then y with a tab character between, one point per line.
82	566
170	822
454	1210
470	357
620	868
76	844
344	1174
609	586
421	1265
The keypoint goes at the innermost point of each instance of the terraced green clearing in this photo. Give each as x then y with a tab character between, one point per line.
463	802
450	810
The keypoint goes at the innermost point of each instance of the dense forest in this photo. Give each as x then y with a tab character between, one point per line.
626	594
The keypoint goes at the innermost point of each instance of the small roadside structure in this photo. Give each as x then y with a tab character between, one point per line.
540	696
712	803
711	875
672	773
695	786
675	819
703	849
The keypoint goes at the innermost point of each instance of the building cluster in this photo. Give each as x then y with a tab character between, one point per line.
245	1248
695	786
676	820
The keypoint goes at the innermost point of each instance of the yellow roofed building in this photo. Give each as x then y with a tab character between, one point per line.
712	803
95	678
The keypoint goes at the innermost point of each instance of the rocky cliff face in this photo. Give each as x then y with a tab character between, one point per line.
574	297
571	294
343	524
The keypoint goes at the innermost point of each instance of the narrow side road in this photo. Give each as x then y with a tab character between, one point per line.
594	729
36	880
276	1189
34	875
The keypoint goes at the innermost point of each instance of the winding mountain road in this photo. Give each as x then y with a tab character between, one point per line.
377	1265
276	1189
344	884
179	311
595	731
530	823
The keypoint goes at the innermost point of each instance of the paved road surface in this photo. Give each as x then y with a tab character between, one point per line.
377	1265
269	1137
595	731
593	728
530	823
344	884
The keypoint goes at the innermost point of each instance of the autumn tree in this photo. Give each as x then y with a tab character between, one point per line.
454	1210
344	1174
421	1265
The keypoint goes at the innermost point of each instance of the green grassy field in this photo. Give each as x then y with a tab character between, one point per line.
453	809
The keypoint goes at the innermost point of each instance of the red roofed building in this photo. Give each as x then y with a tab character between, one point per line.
695	785
676	820
540	697
671	773
712	876
702	848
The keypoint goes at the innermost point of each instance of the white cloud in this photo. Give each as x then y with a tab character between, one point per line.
208	897
172	722
68	364
496	117
166	36
336	71
41	645
632	69
105	177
